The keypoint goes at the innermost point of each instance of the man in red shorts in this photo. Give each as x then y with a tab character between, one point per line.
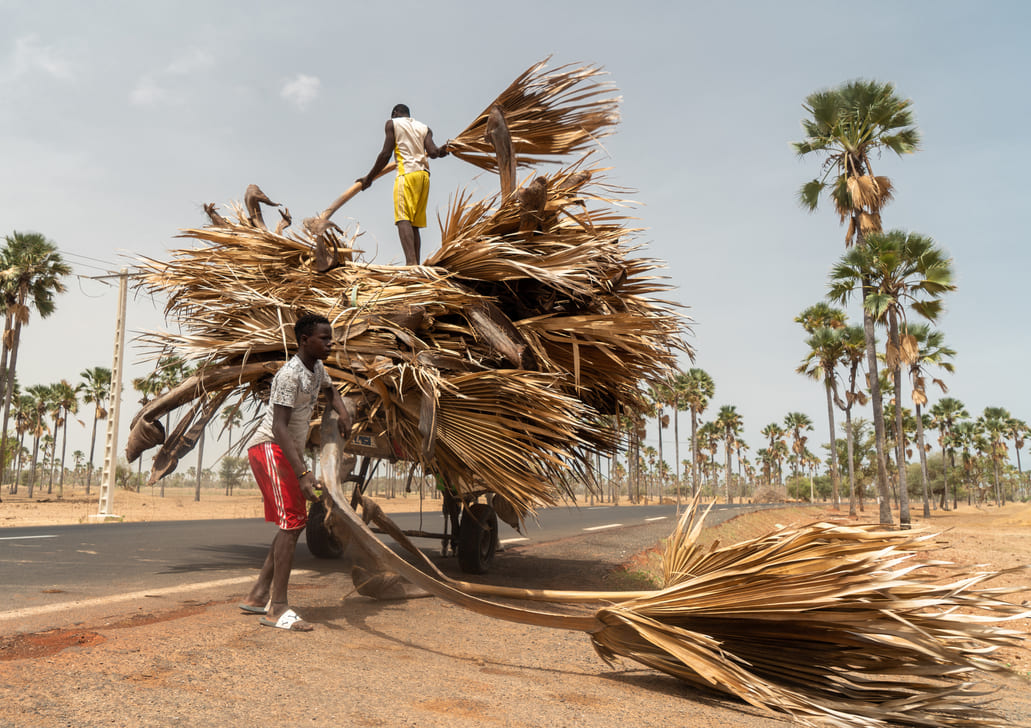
276	456
411	143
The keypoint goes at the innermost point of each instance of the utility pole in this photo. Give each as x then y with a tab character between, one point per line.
107	480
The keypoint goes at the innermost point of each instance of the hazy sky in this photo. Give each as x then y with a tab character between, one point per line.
118	120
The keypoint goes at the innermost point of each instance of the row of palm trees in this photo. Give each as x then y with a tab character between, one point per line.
41	413
898	276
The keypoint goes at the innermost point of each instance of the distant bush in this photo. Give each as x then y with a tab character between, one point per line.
770	494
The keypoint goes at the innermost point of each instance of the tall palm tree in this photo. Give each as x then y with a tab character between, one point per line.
40	404
897	271
678	385
65	402
931	351
709	439
825	326
968	435
796	423
658	396
1017	430
853	352
698	389
728	422
945	415
993	421
777	448
31	270
96	390
23	419
847	126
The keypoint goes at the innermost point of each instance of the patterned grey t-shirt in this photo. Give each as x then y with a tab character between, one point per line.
295	387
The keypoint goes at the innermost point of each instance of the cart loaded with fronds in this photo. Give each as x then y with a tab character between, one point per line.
503	365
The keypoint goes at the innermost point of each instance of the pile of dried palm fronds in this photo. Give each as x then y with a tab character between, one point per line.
834	625
498	363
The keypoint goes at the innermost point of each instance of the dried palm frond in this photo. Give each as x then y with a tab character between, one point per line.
549	116
833	625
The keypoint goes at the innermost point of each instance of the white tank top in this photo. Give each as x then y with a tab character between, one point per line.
409	145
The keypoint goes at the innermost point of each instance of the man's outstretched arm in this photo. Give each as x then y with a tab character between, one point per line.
383	158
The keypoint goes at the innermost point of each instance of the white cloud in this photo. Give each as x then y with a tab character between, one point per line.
147	92
194	59
31	55
301	90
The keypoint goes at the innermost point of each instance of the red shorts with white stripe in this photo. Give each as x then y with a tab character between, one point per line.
285	505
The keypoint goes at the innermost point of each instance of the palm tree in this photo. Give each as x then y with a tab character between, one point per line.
677	387
777	448
232	416
31	270
825	326
65	402
993	420
698	389
1017	430
931	351
847	126
96	389
39	395
728	422
853	351
897	271
23	419
968	434
945	414
709	439
796	423
658	396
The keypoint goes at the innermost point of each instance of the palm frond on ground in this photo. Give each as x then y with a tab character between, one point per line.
834	625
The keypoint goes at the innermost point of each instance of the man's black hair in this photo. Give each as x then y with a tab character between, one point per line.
306	324
400	111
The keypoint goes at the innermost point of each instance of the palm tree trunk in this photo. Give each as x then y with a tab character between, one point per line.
726	446
694	453
676	447
945	481
995	478
32	469
900	433
10	378
923	459
878	416
660	454
835	477
3	355
851	463
92	447
17	474
64	449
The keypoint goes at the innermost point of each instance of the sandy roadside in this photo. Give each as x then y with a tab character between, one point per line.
417	663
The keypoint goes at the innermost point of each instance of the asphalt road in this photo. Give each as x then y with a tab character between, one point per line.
47	569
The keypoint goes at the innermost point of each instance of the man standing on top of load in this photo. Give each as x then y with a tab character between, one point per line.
411	143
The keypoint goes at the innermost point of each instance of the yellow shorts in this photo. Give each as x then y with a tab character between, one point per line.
411	192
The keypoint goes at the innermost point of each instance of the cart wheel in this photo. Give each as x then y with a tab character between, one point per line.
321	543
477	538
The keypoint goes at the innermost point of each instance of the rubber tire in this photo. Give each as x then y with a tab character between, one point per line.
477	538
321	543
